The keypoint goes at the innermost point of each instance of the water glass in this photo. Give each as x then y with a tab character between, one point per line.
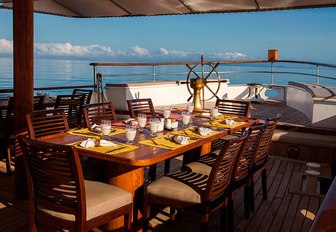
105	129
130	133
154	126
166	111
142	120
185	118
190	107
214	112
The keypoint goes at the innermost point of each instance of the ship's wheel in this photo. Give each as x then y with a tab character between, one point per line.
210	76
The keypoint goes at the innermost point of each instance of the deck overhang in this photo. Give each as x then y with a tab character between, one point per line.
126	8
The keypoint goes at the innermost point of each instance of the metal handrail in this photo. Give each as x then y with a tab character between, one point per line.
155	74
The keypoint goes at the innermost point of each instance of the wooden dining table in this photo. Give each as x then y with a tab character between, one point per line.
126	169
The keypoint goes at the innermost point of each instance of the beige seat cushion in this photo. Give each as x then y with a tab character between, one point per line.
181	186
100	199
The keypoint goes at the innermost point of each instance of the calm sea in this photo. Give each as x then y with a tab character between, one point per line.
51	73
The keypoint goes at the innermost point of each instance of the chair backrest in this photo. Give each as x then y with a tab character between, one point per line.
46	122
55	183
235	107
9	118
265	141
71	104
221	172
249	148
86	92
144	105
94	113
39	102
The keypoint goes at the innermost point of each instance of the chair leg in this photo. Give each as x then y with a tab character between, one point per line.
252	207
223	218
204	222
230	212
152	172
167	166
246	201
264	183
128	221
8	161
146	215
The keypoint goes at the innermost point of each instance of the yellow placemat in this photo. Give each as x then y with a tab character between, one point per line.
111	150
221	124
91	134
192	133
161	142
168	143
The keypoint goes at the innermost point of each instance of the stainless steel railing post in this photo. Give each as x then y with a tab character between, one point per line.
317	74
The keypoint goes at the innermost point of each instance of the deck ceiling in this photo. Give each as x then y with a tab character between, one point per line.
125	8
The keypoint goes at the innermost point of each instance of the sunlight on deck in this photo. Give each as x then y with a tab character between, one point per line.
308	214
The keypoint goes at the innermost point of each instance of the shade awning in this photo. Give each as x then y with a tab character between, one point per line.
124	8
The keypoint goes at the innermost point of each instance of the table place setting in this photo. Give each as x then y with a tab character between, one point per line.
224	121
180	138
86	132
104	146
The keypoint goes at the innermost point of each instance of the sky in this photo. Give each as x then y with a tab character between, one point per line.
305	35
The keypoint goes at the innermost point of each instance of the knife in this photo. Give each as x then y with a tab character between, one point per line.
116	149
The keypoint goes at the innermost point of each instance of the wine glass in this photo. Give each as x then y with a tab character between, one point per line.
214	112
185	118
166	111
190	107
130	133
154	126
142	119
105	129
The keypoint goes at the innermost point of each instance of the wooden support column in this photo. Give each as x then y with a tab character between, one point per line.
23	23
23	31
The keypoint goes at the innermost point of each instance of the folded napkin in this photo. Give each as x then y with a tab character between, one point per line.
96	128
181	139
88	143
105	143
100	143
230	122
204	131
131	121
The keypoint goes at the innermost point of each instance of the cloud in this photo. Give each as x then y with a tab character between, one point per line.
68	50
139	51
6	46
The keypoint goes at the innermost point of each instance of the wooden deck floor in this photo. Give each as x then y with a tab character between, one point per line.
286	209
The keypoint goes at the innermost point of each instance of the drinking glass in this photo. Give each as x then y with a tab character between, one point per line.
185	118
190	107
166	111
214	112
142	119
154	126
130	133
105	129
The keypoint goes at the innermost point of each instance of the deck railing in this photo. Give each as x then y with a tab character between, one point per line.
222	69
271	70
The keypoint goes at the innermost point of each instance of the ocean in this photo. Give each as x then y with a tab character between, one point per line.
52	73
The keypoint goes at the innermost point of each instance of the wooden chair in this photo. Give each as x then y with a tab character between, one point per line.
137	106
60	197
259	161
145	106
86	92
46	122
94	113
187	189
39	102
231	107
71	104
241	170
7	134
